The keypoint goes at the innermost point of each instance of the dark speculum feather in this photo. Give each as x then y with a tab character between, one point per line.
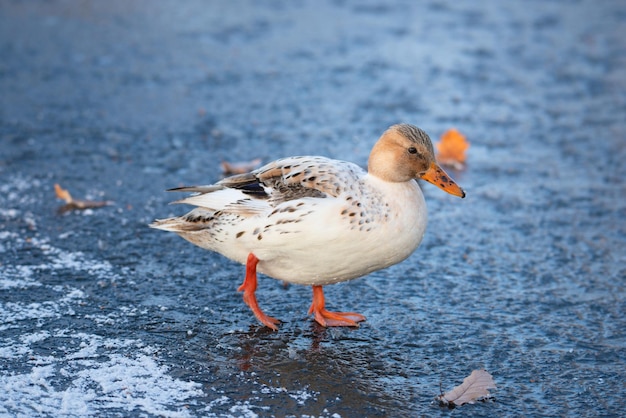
253	189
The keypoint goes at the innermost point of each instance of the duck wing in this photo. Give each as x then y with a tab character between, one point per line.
296	178
280	181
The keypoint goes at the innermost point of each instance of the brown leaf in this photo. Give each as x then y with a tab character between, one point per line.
474	387
239	167
75	204
451	149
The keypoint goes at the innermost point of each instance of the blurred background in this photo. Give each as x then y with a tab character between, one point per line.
118	101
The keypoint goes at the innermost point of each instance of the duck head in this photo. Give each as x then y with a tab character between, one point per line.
405	152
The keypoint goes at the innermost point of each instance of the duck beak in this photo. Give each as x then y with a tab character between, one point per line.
441	179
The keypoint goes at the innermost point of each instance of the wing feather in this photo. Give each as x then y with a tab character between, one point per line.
277	182
297	177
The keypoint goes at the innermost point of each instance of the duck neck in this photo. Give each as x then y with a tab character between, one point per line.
382	163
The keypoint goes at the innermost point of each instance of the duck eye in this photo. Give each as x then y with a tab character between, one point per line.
412	150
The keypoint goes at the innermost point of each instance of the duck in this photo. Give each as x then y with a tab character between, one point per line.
316	221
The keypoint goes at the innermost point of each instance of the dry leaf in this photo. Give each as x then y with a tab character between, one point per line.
63	194
474	387
239	167
74	204
451	149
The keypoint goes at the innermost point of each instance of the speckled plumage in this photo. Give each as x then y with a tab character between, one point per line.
314	220
302	205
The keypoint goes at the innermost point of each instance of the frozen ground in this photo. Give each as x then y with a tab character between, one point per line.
117	100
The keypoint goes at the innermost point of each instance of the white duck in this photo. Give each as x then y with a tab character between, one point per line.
317	221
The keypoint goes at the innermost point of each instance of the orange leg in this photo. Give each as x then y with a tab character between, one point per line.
249	287
331	319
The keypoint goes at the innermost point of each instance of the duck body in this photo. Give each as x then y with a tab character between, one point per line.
317	221
358	225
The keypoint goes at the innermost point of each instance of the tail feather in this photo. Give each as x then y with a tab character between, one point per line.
169	224
196	220
163	224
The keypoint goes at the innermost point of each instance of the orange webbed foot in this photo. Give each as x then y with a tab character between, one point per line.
249	287
331	319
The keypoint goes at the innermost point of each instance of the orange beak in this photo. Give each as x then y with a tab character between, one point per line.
439	178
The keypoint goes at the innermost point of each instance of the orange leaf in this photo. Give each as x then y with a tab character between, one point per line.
451	149
63	194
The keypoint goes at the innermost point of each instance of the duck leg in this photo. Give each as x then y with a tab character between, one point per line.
249	287
331	319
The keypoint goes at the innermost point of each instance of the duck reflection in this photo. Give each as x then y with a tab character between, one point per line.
338	368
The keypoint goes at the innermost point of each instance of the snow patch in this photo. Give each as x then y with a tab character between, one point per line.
95	381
